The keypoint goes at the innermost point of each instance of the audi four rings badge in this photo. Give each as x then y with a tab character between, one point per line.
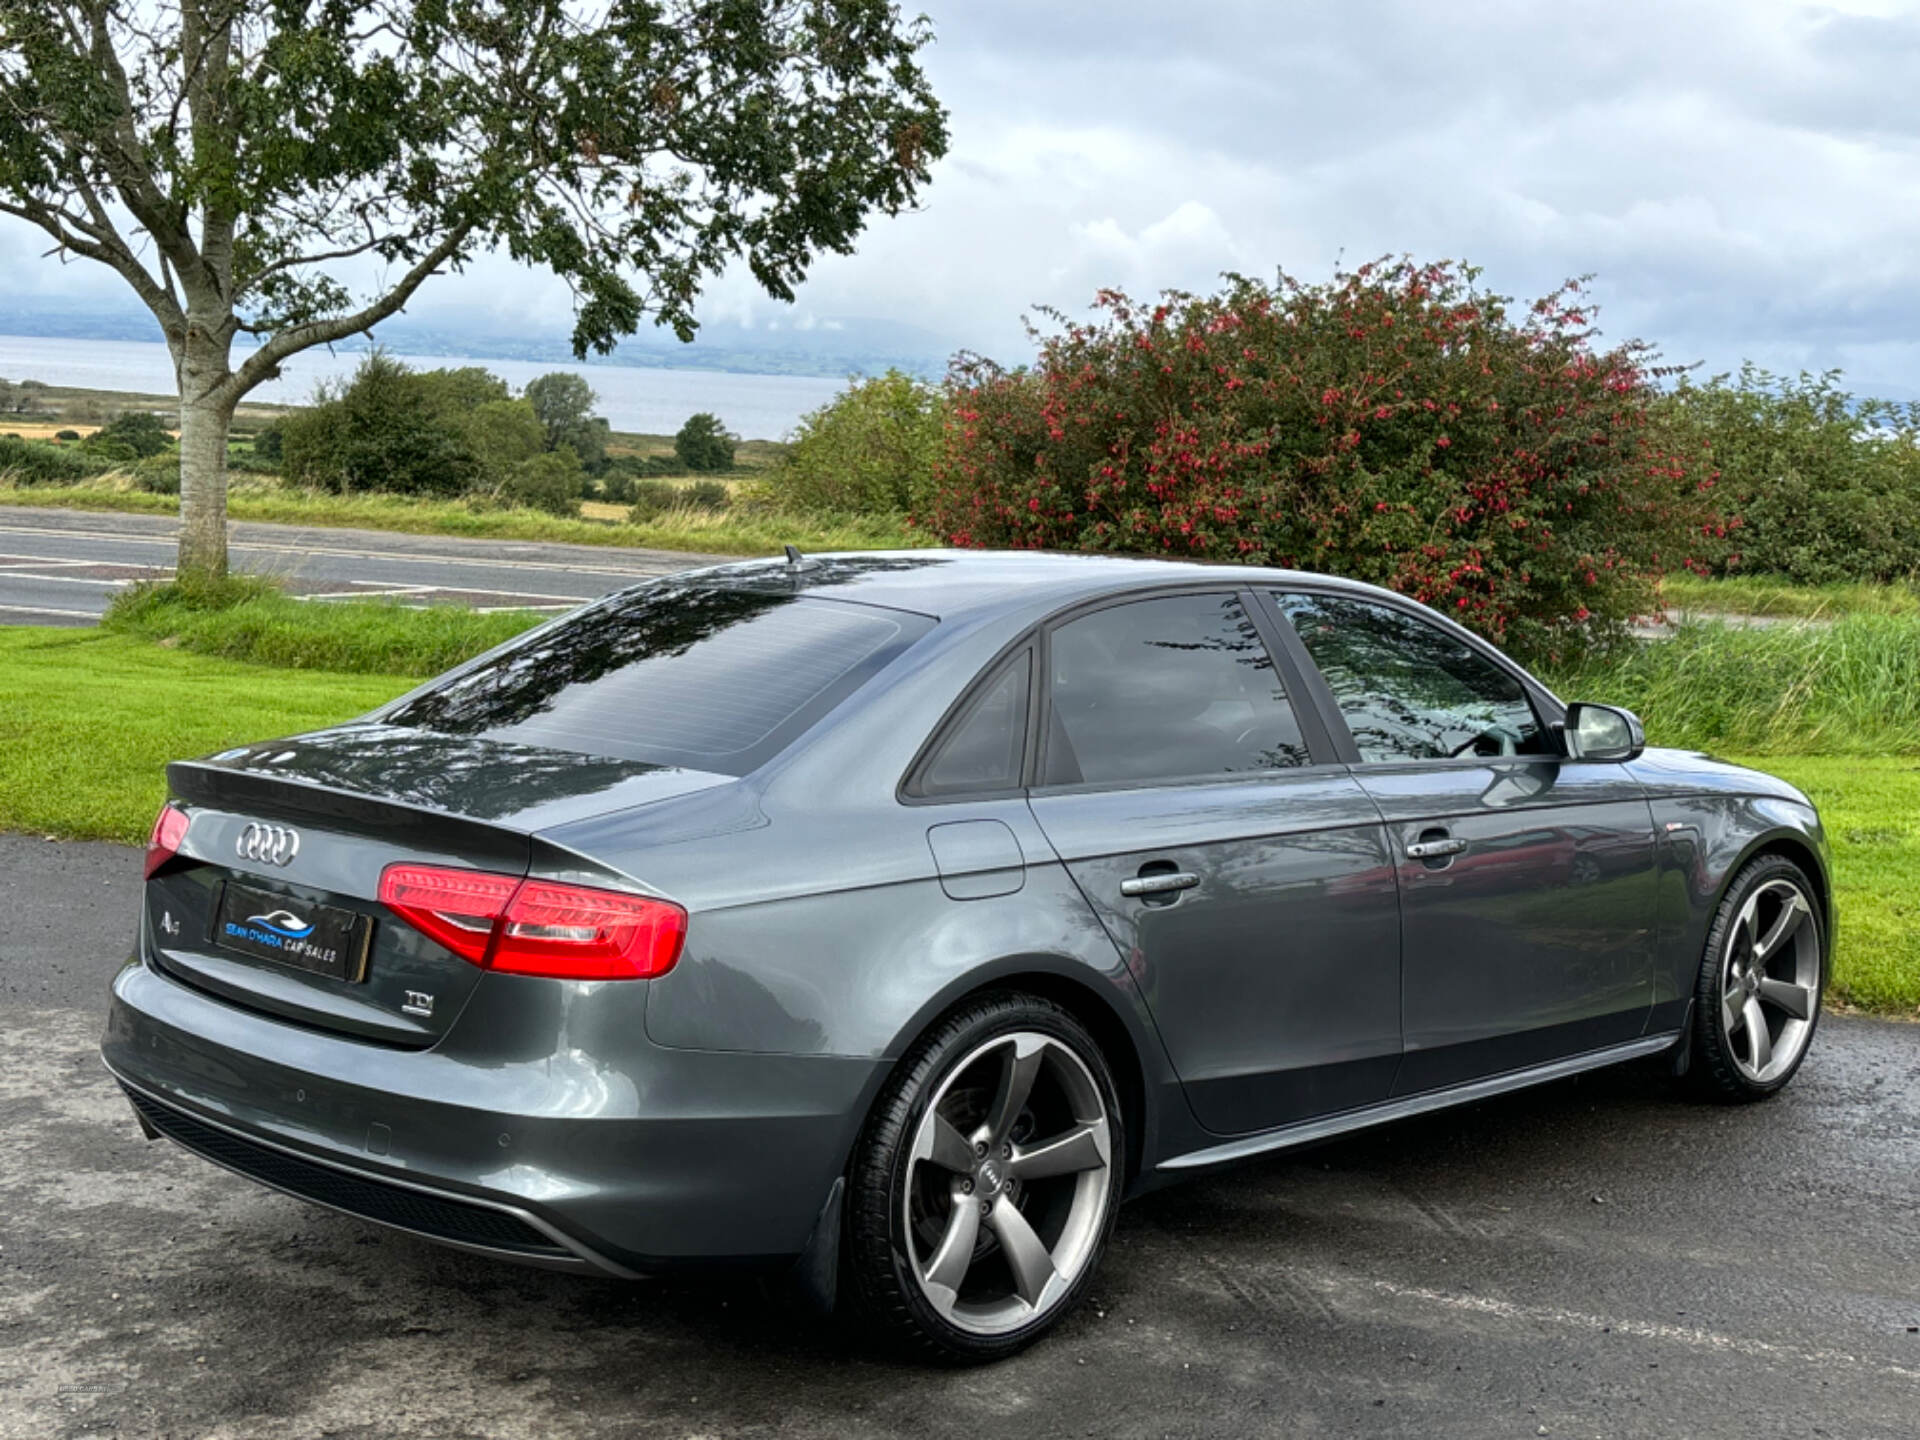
272	844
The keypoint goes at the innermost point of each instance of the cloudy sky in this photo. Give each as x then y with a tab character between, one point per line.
1741	176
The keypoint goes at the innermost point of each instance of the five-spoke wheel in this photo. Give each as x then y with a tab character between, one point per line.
1009	1182
998	1165
1761	981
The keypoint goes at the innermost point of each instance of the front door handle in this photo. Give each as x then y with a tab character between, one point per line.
1160	883
1436	849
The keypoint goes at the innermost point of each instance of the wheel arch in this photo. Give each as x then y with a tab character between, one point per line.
1791	845
1100	1002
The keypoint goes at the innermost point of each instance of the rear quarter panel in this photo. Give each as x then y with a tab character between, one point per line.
818	921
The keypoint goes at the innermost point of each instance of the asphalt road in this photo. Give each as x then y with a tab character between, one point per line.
61	567
1598	1258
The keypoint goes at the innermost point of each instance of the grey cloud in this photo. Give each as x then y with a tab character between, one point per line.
1739	175
1743	176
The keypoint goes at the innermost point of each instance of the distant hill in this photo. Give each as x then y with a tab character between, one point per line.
831	348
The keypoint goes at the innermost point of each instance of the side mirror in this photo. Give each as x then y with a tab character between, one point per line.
1602	732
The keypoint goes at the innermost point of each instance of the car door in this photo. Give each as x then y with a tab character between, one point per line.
1527	880
1239	868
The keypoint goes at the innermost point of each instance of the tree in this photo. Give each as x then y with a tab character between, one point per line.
564	402
704	443
1825	484
21	399
503	433
465	389
870	449
134	435
294	172
549	481
412	432
389	429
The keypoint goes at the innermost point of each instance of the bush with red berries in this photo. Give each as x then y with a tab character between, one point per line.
1394	424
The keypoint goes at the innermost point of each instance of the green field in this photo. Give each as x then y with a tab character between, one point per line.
1848	687
256	623
1763	595
1871	808
92	719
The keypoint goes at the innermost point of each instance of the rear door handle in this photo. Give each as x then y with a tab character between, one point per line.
1435	849
1159	884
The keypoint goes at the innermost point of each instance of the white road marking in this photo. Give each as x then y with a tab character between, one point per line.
488	562
415	592
49	610
395	587
72	579
526	600
529	594
1687	1335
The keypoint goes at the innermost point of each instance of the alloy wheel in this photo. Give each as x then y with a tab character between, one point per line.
1770	981
1008	1184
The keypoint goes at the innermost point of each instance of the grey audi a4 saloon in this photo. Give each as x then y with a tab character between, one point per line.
889	919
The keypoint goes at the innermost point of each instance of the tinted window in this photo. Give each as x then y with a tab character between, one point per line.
674	674
1409	690
984	751
1166	689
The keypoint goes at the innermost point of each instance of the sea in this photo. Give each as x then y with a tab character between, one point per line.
633	398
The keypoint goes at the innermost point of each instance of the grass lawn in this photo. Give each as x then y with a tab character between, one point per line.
1871	808
1851	687
1767	595
92	718
742	531
359	637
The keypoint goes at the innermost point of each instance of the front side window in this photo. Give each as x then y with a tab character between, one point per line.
1173	688
702	676
1409	690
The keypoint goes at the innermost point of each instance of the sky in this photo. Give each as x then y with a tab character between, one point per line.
1741	177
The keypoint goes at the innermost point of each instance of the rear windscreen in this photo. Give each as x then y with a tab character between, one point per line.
675	674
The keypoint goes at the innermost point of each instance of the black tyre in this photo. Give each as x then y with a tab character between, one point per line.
1761	980
986	1181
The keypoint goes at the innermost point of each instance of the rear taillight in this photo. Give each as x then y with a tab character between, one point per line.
459	908
169	829
576	933
537	927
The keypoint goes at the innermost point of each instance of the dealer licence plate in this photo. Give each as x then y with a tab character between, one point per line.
323	939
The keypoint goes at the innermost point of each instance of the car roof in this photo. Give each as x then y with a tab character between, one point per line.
950	584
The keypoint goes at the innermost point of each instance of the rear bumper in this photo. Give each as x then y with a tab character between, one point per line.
565	1140
480	1226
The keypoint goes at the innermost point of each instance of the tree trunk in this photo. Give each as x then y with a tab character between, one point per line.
206	415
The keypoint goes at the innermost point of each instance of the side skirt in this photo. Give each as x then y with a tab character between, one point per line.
1307	1132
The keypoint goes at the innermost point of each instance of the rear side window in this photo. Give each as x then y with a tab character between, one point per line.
1410	690
985	749
1174	688
674	674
